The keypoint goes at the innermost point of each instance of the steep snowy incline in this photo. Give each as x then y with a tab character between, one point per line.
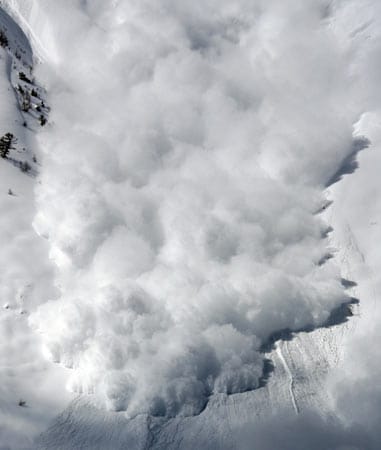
26	274
228	422
190	235
313	362
357	218
189	232
29	15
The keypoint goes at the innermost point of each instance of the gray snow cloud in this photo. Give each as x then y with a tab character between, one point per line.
186	157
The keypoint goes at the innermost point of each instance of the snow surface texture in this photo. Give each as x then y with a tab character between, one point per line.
355	386
187	160
190	151
26	275
324	372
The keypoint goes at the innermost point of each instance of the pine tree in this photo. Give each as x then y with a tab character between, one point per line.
23	77
3	39
42	120
6	144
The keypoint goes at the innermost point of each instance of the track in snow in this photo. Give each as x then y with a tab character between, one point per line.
289	373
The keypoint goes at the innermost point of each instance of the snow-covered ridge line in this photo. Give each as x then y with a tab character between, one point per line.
29	15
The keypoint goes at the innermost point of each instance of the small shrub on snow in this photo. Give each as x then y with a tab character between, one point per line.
25	166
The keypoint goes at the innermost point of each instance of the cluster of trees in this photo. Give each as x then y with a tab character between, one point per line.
6	142
25	94
26	99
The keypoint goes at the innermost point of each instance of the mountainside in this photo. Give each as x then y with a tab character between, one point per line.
26	272
190	225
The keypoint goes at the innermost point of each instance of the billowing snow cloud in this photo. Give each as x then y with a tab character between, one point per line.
184	165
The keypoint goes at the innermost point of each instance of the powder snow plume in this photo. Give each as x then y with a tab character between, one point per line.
187	153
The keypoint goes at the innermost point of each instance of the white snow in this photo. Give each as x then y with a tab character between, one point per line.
181	191
189	186
26	276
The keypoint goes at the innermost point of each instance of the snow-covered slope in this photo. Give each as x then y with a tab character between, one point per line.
306	372
29	16
26	272
212	199
296	385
